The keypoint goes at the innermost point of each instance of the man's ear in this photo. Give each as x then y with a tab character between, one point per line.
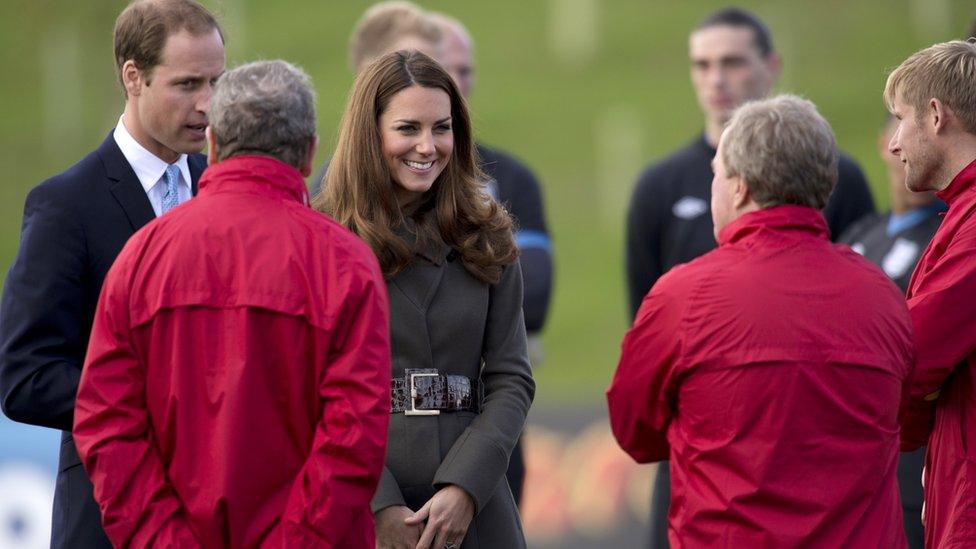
132	78
938	115
740	193
211	147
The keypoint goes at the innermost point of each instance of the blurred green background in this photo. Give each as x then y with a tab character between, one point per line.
587	92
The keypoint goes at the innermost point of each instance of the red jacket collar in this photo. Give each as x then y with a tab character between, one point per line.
261	174
960	184
787	218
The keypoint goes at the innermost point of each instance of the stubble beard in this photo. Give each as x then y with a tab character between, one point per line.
925	172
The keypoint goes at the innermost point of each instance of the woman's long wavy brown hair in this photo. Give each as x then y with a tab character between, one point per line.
359	189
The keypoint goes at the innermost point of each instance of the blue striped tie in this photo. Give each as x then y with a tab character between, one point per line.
172	196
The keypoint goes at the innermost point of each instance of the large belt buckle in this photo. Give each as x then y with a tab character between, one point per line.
412	410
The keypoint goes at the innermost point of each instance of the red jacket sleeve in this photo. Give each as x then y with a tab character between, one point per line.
113	434
337	481
641	395
944	321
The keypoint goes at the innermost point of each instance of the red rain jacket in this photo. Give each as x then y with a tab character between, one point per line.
236	391
942	302
770	372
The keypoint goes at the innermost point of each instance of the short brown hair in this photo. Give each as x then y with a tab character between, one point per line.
783	150
383	25
142	28
946	72
457	210
738	17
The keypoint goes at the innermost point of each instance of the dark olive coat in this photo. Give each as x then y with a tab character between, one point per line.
442	317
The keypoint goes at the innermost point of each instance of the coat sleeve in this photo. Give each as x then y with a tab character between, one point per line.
642	395
534	244
338	479
42	324
388	492
113	433
479	457
944	322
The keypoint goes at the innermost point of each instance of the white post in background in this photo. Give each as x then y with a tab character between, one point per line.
618	142
573	31
932	21
62	104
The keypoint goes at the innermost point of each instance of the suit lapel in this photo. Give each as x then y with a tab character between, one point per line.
197	163
125	186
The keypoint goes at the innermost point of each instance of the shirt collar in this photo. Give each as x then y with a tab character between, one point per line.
960	184
778	219
148	167
898	223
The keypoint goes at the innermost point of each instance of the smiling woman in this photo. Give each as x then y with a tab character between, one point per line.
404	179
417	140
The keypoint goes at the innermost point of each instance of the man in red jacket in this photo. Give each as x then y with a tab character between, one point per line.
933	96
236	388
770	370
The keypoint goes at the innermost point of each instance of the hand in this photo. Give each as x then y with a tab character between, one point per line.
392	530
448	515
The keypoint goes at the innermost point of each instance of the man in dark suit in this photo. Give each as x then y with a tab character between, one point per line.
168	55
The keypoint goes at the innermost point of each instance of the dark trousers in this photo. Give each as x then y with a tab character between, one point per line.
660	502
910	486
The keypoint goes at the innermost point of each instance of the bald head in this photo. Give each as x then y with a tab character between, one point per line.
457	51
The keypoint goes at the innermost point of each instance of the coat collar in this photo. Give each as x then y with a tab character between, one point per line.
255	174
776	219
963	182
434	251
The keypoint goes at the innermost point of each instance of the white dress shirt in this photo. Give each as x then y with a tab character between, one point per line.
151	170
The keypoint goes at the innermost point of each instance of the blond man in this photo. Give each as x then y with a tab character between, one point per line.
932	94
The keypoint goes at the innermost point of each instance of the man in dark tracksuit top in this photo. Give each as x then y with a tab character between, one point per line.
895	241
514	185
168	55
669	222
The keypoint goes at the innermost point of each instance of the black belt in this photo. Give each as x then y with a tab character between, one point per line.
425	392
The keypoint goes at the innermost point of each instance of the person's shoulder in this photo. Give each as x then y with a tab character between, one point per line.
71	186
866	224
682	278
675	166
503	165
848	168
856	265
342	243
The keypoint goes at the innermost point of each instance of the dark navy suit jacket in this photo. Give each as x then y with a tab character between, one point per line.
75	224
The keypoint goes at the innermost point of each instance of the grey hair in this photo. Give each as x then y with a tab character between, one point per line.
784	151
264	108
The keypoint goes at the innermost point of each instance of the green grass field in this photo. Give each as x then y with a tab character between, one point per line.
585	91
